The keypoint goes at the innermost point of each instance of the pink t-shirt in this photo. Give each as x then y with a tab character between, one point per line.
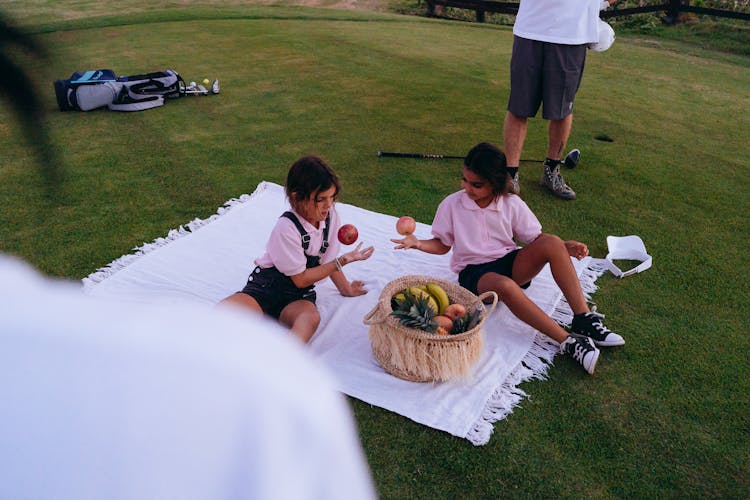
480	235
284	248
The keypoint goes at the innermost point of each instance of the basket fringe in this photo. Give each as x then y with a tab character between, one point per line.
534	366
426	360
121	263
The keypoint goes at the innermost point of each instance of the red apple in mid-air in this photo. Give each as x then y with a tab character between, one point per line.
406	225
348	234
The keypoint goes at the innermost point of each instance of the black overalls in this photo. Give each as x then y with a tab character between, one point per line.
275	290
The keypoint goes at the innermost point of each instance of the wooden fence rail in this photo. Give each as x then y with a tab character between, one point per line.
672	9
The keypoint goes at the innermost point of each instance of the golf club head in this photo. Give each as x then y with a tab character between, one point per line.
572	158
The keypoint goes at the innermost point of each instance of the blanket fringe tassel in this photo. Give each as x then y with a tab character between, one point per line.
104	272
534	366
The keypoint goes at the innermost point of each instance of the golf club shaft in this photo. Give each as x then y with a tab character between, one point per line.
391	154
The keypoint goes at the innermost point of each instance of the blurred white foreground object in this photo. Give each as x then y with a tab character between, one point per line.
108	399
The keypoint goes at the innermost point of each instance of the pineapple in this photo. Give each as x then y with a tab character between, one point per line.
415	311
460	324
466	322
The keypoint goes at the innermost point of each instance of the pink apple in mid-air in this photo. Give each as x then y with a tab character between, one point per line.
348	234
406	225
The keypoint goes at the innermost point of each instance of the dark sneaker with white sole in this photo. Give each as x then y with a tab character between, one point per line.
583	350
590	325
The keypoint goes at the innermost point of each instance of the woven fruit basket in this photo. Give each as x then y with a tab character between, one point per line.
420	356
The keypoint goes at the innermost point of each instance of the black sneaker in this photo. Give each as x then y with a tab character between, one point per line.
583	350
590	325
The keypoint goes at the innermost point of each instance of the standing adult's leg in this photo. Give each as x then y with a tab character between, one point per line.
514	135
563	70
558	133
552	179
523	102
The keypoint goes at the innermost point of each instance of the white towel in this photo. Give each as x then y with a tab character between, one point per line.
207	260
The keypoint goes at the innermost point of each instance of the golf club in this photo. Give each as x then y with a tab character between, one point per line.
570	160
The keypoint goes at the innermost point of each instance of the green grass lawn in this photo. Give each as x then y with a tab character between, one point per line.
665	416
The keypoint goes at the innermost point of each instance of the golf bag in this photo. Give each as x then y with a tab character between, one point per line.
95	89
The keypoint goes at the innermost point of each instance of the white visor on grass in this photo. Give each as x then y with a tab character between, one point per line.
625	248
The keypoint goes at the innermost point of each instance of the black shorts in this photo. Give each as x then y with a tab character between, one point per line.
470	275
544	72
274	290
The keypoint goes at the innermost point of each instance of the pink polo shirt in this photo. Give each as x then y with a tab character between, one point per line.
480	235
284	248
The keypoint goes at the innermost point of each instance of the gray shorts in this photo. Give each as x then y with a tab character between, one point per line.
543	72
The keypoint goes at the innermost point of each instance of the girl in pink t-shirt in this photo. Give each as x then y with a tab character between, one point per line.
300	252
482	224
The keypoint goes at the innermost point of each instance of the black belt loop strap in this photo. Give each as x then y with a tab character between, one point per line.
305	235
324	246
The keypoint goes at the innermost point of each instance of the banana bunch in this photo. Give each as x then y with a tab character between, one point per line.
436	297
439	295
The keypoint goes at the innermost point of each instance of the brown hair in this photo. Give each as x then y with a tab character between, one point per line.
307	177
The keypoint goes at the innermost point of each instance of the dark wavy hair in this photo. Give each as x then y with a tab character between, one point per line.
307	177
488	161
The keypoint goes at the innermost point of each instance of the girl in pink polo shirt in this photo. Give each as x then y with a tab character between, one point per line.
301	251
483	223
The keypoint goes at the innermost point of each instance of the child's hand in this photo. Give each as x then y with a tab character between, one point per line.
408	241
356	288
577	249
357	254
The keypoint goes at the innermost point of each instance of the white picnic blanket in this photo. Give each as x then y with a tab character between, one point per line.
206	260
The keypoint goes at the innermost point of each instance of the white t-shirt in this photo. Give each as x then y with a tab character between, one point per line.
284	247
110	400
480	235
569	22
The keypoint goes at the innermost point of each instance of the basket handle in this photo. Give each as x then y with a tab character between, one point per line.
370	317
486	295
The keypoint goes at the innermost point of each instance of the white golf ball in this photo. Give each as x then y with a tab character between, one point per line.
192	84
